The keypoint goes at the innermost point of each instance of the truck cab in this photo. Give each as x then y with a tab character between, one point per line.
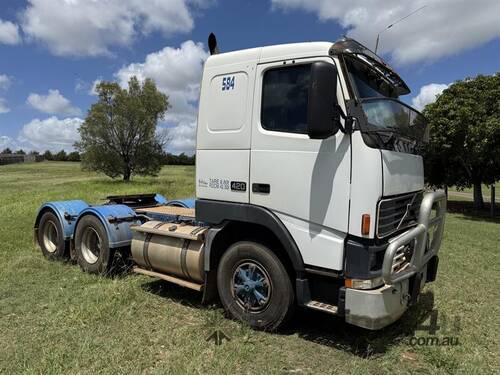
313	136
309	192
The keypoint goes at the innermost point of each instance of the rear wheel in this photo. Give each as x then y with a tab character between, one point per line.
51	237
254	286
92	246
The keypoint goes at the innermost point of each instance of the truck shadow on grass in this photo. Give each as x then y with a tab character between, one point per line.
334	332
466	208
322	328
174	292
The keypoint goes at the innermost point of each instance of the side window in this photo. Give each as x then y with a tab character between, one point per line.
285	94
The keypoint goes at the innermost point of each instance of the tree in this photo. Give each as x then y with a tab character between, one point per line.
47	155
20	152
119	136
73	156
61	156
181	159
464	144
6	151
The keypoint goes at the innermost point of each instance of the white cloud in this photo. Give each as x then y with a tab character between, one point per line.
12	144
177	73
5	142
93	88
5	82
80	85
183	138
91	28
9	33
53	103
50	134
89	88
3	106
428	94
442	28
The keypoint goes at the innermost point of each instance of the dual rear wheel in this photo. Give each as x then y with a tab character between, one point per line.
91	243
92	246
51	237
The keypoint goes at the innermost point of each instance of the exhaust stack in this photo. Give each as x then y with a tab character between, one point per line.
212	44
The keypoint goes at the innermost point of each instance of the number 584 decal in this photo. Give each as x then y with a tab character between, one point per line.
227	83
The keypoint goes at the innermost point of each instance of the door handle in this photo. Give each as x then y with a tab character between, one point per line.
261	188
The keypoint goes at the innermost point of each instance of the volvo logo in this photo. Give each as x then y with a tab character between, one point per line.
407	212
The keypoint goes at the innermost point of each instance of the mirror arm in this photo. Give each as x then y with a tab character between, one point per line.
348	120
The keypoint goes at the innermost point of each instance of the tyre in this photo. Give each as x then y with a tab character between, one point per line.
254	286
51	237
92	246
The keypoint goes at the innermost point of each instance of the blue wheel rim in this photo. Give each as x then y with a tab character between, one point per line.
251	286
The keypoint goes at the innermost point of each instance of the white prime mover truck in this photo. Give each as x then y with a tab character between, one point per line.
309	192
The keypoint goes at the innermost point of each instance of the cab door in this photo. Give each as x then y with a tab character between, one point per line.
304	181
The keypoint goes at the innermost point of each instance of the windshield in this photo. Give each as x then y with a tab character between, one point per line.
390	124
405	129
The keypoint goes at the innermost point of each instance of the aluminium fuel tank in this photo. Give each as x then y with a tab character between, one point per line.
169	248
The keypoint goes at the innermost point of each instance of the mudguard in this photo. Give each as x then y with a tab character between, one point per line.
160	199
186	203
66	211
116	219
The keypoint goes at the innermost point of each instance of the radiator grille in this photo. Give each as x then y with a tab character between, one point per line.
398	213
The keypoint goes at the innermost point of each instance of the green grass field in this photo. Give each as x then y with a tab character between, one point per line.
56	319
486	190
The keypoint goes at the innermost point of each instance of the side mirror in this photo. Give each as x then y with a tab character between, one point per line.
323	118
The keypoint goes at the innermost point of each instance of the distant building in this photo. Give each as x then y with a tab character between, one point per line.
33	158
14	158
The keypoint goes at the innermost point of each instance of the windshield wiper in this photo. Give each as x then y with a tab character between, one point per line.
375	132
390	140
393	136
392	131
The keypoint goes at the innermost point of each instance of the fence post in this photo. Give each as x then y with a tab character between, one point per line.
492	201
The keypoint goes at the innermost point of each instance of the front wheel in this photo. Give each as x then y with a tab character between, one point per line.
254	286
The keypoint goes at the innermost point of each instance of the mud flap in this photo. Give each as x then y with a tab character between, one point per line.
415	283
210	293
432	268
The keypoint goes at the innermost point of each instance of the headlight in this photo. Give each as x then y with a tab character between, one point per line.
364	284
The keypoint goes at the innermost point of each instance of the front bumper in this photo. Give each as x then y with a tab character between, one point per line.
377	308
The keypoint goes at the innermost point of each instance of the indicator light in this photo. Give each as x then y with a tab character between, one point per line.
365	224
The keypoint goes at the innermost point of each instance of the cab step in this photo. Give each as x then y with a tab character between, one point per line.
321	306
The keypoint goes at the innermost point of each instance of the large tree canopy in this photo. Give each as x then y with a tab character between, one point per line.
464	147
119	135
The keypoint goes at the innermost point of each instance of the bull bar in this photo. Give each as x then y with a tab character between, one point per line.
419	234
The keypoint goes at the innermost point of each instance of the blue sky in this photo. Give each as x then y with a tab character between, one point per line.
52	51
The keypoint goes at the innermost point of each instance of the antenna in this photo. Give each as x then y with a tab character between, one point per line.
398	21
